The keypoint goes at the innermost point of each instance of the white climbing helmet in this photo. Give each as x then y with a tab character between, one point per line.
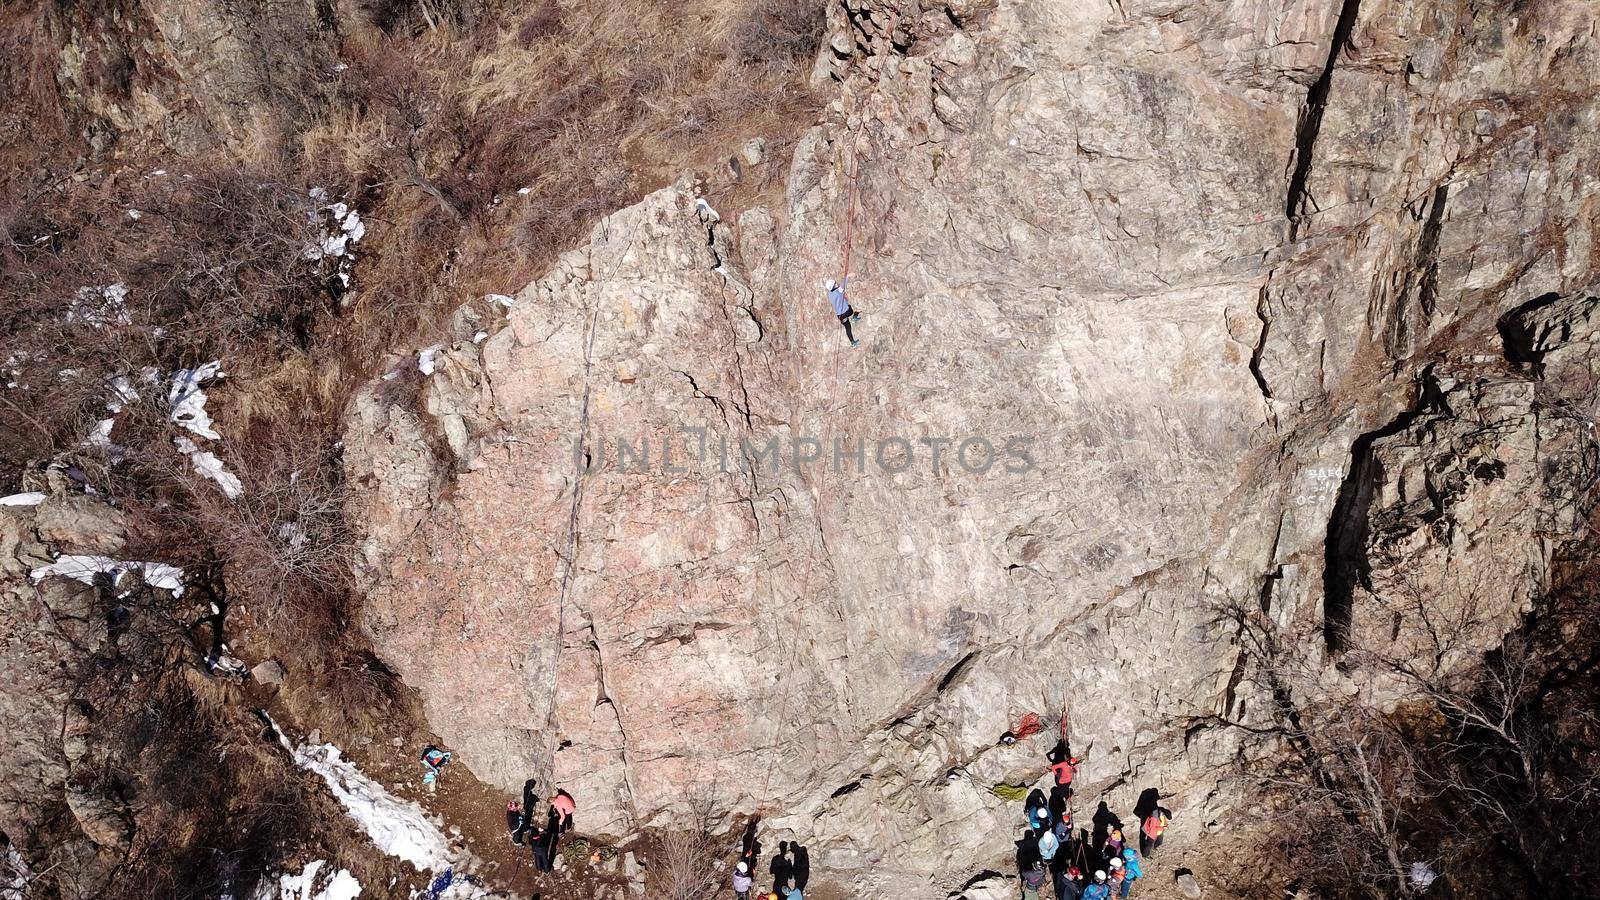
743	867
830	284
1116	862
1099	877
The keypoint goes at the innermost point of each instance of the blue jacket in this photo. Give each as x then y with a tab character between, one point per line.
841	304
1130	863
1097	892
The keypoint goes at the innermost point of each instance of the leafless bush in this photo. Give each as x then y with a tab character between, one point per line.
1350	804
783	33
1476	758
686	862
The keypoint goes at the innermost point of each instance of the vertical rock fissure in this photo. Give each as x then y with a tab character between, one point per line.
604	696
570	561
1345	561
1305	139
1428	251
1262	313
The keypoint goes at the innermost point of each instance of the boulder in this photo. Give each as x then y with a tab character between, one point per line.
268	671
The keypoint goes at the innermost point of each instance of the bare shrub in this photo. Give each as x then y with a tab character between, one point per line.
1350	803
785	34
686	861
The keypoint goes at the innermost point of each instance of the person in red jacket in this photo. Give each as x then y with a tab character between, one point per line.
1152	829
1063	763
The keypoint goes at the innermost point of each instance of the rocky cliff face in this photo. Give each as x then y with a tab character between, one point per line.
1272	305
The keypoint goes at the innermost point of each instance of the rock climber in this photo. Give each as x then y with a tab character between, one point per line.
1152	829
842	308
791	891
1098	890
519	816
742	880
516	822
1038	811
749	846
1113	846
1032	880
543	841
1063	826
1063	764
1134	870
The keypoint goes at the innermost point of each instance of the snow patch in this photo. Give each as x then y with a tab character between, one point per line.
503	300
84	568
706	211
398	827
207	464
29	498
426	357
341	885
186	400
342	229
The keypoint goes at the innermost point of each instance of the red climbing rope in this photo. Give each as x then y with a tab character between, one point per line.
855	164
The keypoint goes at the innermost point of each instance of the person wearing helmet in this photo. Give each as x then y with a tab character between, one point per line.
543	842
1117	881
1033	879
1048	845
791	891
1133	870
1114	845
1067	880
1099	890
742	880
841	307
1062	763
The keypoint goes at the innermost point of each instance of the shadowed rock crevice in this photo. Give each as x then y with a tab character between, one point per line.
1300	203
1345	562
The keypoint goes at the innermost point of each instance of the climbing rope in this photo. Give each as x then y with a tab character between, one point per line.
855	152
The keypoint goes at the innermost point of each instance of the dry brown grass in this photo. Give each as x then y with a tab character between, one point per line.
586	106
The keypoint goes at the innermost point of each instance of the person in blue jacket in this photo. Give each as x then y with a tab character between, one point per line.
1099	890
842	308
1130	864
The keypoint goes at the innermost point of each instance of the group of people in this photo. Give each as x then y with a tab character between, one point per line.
1078	864
542	834
790	868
